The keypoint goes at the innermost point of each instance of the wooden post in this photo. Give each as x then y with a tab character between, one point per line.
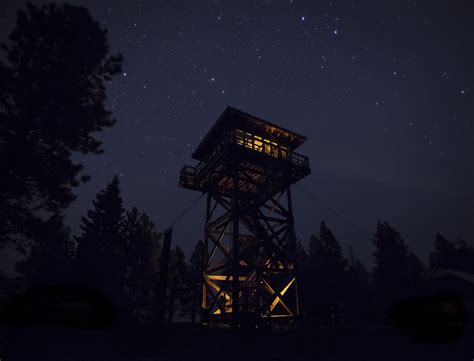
235	252
163	277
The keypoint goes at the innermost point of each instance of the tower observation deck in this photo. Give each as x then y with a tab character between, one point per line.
246	167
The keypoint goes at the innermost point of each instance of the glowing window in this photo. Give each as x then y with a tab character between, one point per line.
260	144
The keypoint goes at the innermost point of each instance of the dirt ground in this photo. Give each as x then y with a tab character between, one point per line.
186	342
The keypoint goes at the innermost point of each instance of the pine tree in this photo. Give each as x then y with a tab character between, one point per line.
417	271
466	256
177	287
52	101
303	277
326	280
302	256
142	266
359	271
192	300
325	250
360	296
445	254
50	255
397	271
456	256
101	251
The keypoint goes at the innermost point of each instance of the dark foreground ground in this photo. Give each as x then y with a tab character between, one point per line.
186	342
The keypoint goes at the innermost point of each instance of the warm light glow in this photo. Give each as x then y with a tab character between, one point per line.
260	144
204	297
277	298
283	291
228	298
224	278
218	290
243	263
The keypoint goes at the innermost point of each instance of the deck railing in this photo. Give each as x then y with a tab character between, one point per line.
251	142
266	146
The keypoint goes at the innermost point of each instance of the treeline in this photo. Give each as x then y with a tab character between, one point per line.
117	254
54	73
52	105
337	289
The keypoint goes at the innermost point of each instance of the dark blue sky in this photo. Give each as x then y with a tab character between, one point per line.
383	90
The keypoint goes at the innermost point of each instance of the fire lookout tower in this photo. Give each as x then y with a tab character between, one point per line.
246	167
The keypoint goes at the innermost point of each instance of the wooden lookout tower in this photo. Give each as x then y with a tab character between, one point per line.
246	167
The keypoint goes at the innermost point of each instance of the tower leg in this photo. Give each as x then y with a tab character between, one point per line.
235	253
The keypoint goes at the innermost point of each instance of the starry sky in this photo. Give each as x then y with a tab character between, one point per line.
383	90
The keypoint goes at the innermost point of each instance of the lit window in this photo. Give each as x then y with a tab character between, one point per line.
260	144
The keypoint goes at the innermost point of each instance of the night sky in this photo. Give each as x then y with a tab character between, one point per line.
383	90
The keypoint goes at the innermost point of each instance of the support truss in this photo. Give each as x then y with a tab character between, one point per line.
250	259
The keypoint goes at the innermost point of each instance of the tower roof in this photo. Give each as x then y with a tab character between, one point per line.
233	118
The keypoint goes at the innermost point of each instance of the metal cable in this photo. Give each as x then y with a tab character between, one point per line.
340	215
182	214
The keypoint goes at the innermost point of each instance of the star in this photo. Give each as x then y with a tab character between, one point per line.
277	54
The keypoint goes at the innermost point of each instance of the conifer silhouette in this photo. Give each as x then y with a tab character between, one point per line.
177	287
52	100
142	264
49	258
192	300
397	271
326	281
101	251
